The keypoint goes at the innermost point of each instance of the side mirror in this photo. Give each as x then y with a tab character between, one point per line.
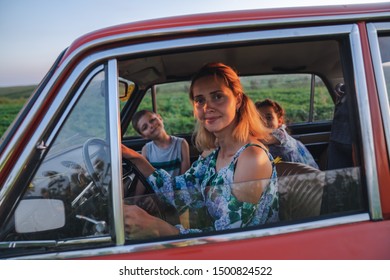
34	215
126	88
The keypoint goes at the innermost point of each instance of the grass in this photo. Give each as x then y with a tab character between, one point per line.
12	100
291	91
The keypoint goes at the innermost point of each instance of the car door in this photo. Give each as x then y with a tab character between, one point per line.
66	194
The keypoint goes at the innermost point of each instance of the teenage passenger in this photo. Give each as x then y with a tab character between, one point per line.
165	151
280	143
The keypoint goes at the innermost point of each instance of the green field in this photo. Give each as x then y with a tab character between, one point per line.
12	99
291	91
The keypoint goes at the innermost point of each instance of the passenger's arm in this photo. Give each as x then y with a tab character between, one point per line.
185	157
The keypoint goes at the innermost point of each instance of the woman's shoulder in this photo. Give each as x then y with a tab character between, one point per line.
254	163
254	150
255	146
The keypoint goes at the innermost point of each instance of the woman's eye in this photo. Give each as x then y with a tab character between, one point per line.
199	100
217	96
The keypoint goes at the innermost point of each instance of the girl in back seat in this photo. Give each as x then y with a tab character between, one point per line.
281	144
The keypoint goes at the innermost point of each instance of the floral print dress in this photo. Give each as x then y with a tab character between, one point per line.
203	187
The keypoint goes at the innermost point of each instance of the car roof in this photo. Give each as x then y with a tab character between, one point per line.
323	13
315	57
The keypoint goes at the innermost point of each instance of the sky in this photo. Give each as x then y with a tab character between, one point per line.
34	32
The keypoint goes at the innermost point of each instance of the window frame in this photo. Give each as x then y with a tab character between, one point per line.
374	31
352	32
53	122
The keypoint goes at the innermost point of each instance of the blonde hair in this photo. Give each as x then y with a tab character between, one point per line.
247	117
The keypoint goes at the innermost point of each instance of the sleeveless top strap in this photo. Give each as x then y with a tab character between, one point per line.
238	153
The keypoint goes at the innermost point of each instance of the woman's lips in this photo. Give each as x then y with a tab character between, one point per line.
210	120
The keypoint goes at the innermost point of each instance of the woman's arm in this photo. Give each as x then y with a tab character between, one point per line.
142	164
140	161
253	166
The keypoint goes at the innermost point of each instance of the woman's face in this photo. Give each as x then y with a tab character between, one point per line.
214	103
270	117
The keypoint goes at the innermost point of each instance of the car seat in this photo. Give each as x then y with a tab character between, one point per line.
300	189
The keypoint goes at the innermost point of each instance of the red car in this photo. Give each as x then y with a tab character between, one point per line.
63	182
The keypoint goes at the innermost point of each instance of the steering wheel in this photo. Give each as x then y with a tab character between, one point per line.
100	166
90	205
131	176
149	201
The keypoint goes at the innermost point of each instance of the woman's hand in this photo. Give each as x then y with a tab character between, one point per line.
146	203
139	224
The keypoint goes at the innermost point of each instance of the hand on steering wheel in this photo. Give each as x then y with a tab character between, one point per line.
148	201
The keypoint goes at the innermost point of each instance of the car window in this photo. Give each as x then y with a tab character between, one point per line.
173	104
309	98
195	210
384	44
294	93
73	179
302	195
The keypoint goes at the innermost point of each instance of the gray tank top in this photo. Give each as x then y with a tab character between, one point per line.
168	159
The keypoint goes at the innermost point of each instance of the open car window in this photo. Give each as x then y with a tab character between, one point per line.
312	81
305	96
